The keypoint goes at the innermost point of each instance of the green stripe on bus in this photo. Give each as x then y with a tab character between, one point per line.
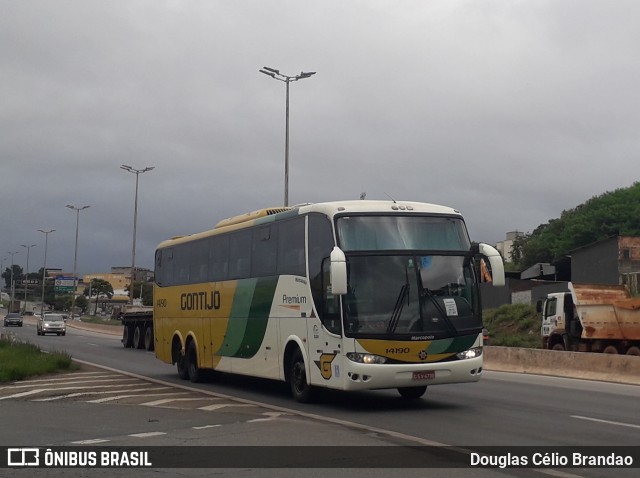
259	313
238	317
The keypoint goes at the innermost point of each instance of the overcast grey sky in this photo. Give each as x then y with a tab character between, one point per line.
511	111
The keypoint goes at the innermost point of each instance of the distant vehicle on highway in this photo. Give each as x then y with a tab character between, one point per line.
13	318
51	324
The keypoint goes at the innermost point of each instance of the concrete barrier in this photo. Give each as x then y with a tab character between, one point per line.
589	366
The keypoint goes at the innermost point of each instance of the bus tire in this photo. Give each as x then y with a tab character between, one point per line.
195	374
412	393
127	336
297	378
148	338
138	337
181	365
558	347
633	350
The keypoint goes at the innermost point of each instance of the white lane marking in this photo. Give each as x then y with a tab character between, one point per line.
608	422
268	417
205	426
162	401
70	376
90	442
24	394
56	389
103	392
118	397
218	406
148	434
72	382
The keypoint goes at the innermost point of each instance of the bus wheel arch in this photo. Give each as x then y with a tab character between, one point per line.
296	374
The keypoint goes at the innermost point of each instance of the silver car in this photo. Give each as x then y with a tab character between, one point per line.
51	324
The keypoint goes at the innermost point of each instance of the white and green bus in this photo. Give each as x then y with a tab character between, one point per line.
349	295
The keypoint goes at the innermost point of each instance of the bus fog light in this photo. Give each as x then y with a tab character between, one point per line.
471	353
366	358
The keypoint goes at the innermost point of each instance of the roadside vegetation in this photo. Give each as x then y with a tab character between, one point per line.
21	360
93	319
513	325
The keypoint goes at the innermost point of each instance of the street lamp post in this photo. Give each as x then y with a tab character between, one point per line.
75	255
44	267
12	289
137	172
26	276
273	73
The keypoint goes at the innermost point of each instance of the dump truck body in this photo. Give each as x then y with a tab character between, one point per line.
592	318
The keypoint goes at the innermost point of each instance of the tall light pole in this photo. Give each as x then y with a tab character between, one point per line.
137	172
44	267
75	256
12	290
273	73
26	276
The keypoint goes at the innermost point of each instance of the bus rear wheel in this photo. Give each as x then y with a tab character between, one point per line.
633	350
412	393
610	349
297	378
194	372
558	346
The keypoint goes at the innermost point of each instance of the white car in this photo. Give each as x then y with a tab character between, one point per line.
51	324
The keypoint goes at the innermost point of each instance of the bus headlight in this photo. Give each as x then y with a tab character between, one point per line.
469	354
366	358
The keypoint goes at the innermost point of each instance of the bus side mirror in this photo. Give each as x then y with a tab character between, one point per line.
338	272
495	261
539	306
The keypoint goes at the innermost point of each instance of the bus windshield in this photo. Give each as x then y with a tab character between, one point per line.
409	275
425	297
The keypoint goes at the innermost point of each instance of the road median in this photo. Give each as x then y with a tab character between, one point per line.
584	365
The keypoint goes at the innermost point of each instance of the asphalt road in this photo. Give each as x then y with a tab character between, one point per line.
502	409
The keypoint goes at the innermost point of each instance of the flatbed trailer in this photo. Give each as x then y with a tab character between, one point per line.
137	331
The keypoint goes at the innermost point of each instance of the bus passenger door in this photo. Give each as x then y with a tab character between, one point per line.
325	337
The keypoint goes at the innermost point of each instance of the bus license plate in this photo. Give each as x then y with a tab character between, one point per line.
426	375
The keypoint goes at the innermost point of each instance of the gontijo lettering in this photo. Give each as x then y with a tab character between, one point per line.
200	300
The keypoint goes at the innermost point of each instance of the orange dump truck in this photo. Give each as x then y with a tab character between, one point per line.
592	318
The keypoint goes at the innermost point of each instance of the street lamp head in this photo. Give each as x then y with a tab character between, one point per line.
272	75
46	232
126	167
273	70
306	74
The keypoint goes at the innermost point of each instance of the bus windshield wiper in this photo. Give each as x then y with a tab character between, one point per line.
397	309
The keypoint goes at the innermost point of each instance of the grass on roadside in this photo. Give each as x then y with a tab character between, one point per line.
21	360
92	319
513	325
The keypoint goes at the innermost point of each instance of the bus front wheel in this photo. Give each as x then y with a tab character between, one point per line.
412	393
297	377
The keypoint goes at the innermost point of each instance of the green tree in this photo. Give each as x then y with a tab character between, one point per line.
17	275
98	287
600	217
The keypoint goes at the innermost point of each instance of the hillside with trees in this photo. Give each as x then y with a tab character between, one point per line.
609	214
